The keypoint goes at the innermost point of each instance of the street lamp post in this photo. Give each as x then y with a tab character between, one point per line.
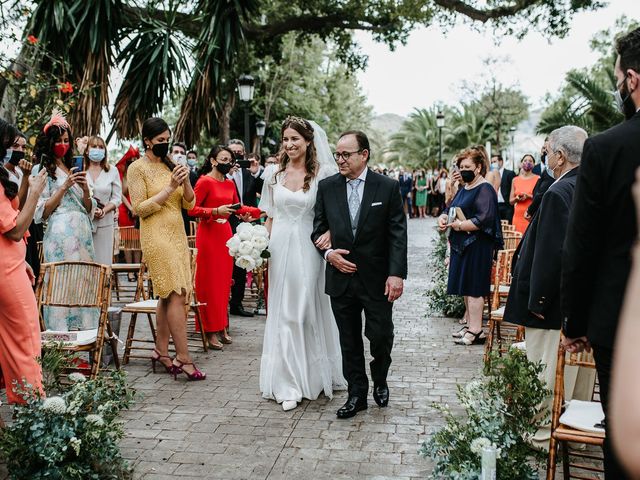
440	125
260	129
512	131
246	88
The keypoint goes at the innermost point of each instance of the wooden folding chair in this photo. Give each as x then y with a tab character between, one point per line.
502	333
561	434
193	228
124	239
40	249
148	306
80	285
507	228
511	240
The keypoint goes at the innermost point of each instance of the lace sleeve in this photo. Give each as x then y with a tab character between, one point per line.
266	198
140	201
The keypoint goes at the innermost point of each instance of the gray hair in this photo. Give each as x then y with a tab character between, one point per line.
568	140
235	141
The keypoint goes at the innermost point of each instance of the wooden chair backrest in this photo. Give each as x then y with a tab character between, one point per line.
74	284
502	275
504	222
40	249
192	241
193	227
511	240
129	239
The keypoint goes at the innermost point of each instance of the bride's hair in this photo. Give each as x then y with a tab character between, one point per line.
305	129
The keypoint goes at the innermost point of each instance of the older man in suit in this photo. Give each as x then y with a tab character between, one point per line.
534	297
505	209
602	230
366	266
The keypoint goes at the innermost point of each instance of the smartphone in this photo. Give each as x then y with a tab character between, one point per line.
452	215
243	163
78	163
235	206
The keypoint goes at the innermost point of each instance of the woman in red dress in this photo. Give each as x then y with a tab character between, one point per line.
215	196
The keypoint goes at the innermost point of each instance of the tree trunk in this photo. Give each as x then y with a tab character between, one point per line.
224	119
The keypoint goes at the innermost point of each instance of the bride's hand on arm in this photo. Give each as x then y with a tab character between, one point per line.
324	241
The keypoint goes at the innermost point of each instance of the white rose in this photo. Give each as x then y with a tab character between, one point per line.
233	243
255	253
260	243
260	231
245	235
245	248
246	262
259	262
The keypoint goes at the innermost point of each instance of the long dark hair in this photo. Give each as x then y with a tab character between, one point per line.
44	149
213	154
8	134
305	129
152	127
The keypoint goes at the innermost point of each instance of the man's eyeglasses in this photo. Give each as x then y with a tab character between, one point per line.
344	155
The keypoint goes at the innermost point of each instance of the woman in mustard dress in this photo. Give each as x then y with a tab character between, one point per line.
159	191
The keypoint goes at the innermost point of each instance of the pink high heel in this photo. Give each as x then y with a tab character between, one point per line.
158	358
193	377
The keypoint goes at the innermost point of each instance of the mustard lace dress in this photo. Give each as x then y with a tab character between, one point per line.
162	237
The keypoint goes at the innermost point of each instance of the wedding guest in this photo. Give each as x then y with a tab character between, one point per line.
13	161
159	190
215	197
625	386
104	181
19	326
67	208
474	239
534	296
421	194
126	214
595	266
440	191
522	192
406	183
506	178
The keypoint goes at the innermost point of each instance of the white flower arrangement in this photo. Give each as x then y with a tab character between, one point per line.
55	405
94	419
249	246
77	377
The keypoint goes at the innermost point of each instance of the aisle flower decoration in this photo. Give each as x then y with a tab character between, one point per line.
502	412
249	246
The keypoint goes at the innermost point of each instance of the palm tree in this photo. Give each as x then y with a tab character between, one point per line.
416	144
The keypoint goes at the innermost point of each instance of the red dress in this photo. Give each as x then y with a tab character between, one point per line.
214	265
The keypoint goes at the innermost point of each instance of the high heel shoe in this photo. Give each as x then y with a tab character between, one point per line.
215	346
194	376
226	339
158	358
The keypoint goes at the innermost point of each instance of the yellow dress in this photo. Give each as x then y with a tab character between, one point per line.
164	243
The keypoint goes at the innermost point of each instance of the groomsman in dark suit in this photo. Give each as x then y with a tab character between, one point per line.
248	187
367	264
505	209
602	230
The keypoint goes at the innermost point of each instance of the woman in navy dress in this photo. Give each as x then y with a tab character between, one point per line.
473	241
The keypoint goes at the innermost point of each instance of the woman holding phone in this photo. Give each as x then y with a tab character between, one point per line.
216	200
67	208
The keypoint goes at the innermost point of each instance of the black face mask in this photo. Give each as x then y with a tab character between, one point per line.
16	156
160	149
467	175
224	168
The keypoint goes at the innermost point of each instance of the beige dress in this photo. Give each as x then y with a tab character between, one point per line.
162	236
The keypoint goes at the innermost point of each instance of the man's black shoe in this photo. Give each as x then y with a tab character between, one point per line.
381	395
353	406
240	312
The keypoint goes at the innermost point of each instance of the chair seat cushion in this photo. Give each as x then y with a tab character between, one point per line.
499	313
520	346
125	267
73	339
150	304
583	416
501	288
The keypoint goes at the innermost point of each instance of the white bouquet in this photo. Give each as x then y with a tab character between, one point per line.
249	246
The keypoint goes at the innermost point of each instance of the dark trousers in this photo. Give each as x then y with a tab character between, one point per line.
237	290
604	357
506	212
347	310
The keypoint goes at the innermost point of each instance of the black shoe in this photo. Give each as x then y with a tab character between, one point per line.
240	312
353	406
381	394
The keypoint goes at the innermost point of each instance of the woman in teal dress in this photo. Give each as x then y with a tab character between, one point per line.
67	208
421	194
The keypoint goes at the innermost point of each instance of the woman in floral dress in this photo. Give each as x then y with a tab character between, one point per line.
67	208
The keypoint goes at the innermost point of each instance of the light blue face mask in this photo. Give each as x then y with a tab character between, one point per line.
96	154
7	156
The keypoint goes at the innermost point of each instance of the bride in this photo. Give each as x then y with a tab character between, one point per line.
301	351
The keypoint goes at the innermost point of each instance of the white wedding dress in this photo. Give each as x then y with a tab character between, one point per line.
301	352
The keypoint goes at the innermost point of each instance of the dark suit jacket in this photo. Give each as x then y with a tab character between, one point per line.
505	184
535	284
602	229
379	248
406	184
538	168
542	185
251	187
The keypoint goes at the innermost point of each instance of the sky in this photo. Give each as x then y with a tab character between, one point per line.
433	65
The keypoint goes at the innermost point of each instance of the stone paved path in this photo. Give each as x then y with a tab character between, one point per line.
222	428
